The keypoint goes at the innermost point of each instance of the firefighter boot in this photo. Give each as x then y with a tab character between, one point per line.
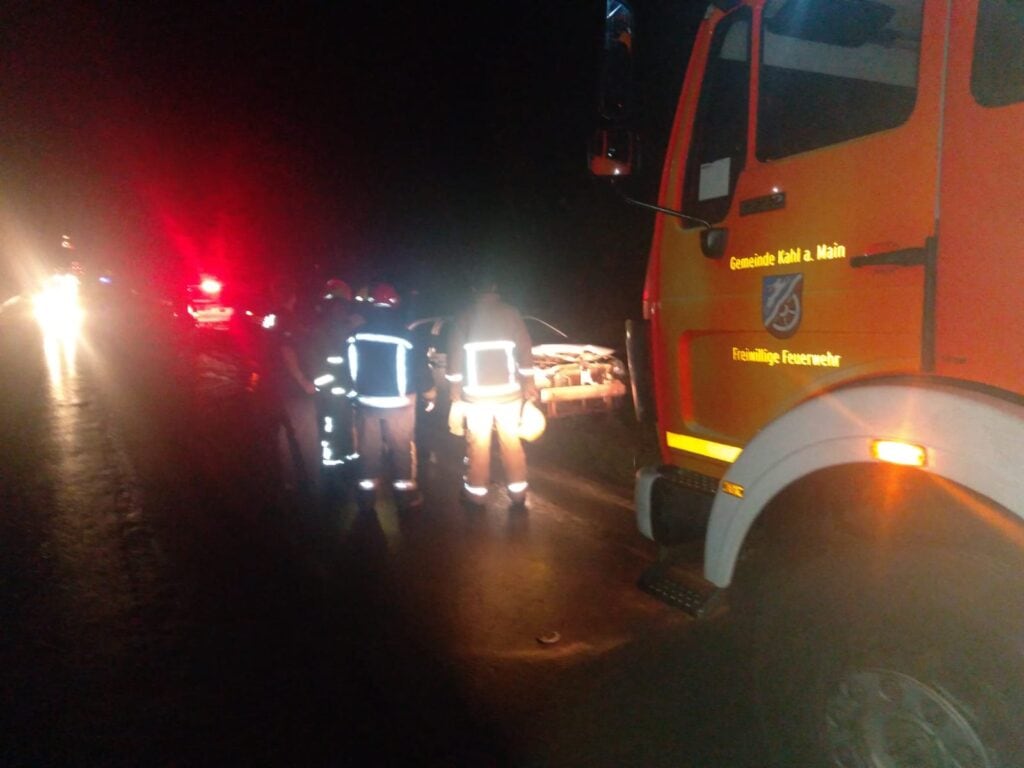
474	497
517	497
407	495
366	495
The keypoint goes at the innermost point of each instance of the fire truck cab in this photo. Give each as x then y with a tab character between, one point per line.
832	329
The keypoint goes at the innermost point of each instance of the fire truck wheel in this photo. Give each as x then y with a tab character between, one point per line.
914	659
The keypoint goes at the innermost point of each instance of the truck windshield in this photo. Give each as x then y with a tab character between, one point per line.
830	74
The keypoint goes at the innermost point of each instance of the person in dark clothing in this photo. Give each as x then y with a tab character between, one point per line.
387	372
289	394
337	321
338	316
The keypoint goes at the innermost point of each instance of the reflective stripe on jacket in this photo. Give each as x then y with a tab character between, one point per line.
489	351
385	367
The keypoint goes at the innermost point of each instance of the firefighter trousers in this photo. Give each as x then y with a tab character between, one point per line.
390	430
298	443
483	418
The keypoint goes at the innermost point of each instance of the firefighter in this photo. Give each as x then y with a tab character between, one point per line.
289	393
341	319
387	373
337	322
490	370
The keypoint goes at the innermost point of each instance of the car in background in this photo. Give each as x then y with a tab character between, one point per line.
221	325
206	304
571	377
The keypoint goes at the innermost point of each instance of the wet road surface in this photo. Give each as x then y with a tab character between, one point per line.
162	604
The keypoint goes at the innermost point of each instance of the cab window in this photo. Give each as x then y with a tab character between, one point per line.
834	71
997	75
719	145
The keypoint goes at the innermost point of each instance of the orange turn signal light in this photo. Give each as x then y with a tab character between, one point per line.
899	452
733	489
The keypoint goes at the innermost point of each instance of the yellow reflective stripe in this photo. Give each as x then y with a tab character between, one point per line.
382	338
707	448
384	402
473	347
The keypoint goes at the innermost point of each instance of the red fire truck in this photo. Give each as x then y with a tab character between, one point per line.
832	314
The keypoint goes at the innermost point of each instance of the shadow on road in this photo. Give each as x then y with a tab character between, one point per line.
178	610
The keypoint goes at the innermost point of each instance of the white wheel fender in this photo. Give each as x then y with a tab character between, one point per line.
972	438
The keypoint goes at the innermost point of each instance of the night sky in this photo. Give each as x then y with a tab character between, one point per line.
400	139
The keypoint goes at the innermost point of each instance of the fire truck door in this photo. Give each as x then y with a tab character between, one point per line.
978	318
827	193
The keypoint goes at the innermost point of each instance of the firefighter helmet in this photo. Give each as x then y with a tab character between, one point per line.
484	279
531	422
337	289
382	295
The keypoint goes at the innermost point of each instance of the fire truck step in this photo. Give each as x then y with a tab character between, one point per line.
680	590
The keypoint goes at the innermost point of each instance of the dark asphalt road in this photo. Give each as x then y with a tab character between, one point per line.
160	605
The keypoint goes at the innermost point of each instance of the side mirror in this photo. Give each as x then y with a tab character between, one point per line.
713	241
617	62
612	152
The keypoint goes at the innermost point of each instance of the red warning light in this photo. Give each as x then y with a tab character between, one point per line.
210	286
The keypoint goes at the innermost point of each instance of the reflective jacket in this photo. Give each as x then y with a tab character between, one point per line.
337	325
385	368
490	353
